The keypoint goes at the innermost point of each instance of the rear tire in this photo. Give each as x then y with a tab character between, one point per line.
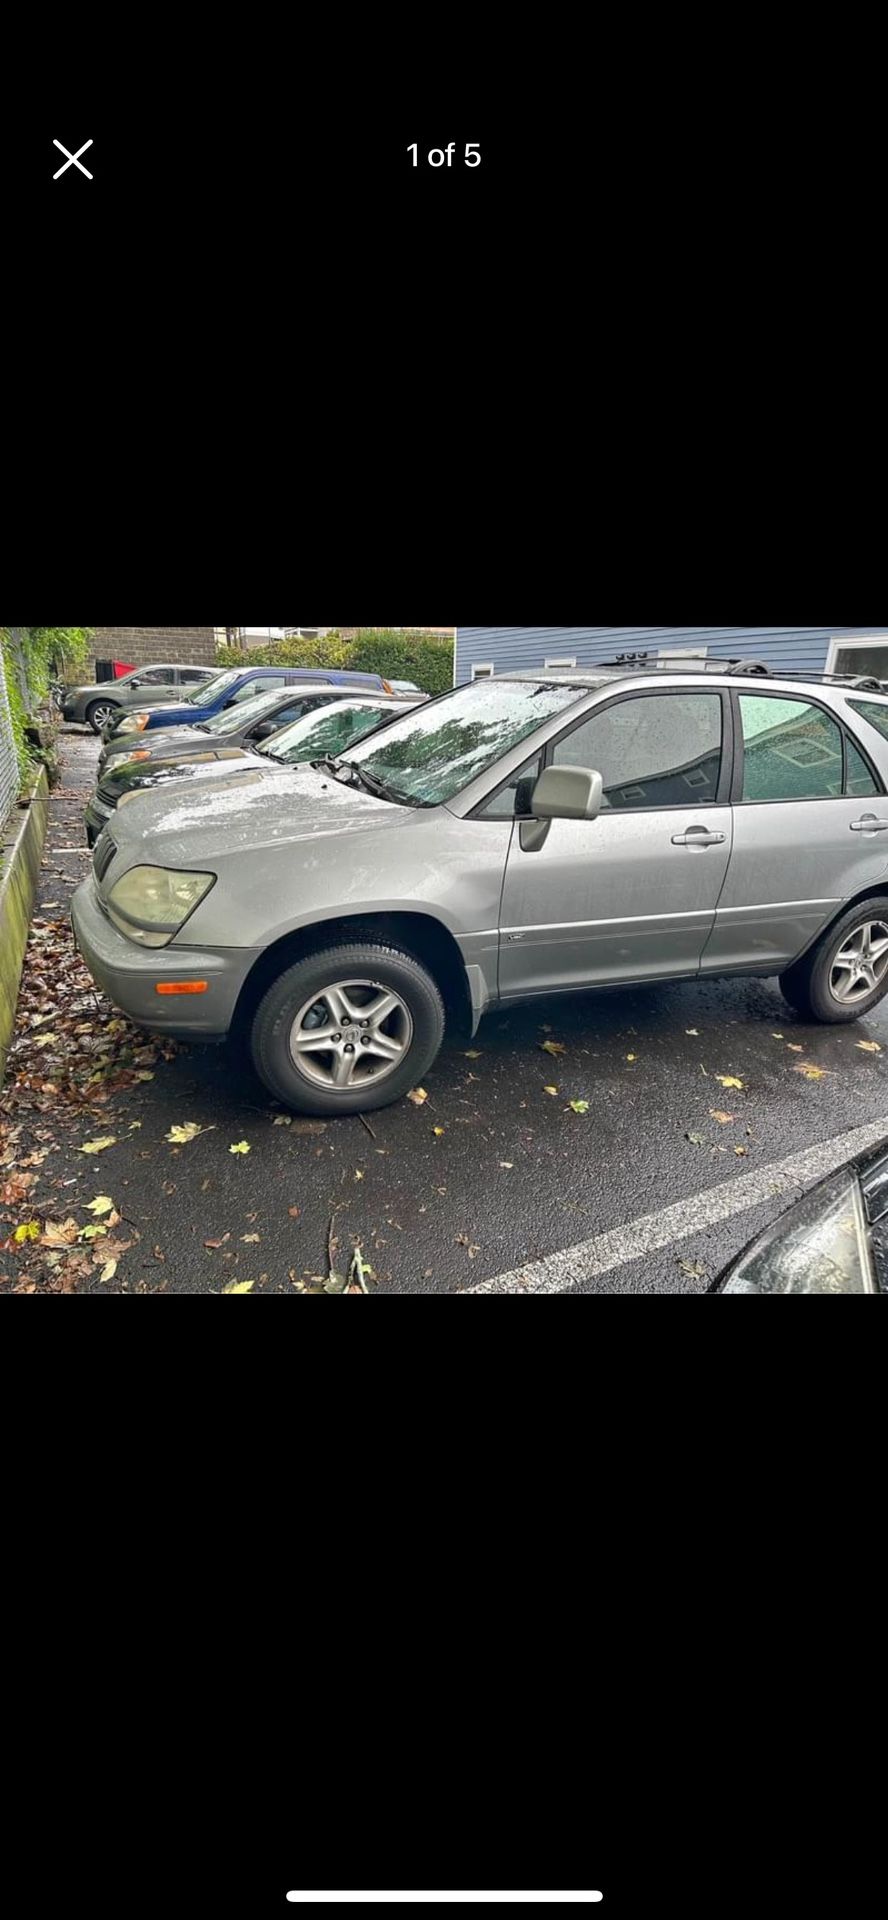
99	714
845	976
348	1030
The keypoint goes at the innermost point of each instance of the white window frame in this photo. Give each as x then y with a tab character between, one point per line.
552	666
483	670
849	643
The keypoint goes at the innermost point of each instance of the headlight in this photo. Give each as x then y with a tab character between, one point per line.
150	904
129	753
134	723
822	1246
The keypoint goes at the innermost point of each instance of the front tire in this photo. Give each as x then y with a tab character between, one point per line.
845	976
100	713
348	1030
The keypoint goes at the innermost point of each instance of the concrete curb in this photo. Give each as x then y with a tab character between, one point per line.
19	879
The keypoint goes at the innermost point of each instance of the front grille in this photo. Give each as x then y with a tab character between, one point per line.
107	795
103	856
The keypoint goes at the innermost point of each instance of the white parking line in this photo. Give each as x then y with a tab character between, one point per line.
562	1272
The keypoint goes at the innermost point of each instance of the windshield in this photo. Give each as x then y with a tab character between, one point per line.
231	719
433	754
318	736
205	695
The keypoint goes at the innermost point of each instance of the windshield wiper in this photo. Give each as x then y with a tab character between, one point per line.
377	787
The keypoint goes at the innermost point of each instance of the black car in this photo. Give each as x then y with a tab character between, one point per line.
244	725
94	705
835	1240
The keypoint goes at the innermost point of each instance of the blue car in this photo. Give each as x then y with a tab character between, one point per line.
228	689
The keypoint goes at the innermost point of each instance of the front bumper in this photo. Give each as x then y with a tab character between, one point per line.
129	975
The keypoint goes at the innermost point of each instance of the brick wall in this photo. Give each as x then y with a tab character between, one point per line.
141	646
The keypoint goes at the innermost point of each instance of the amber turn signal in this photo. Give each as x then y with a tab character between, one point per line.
182	986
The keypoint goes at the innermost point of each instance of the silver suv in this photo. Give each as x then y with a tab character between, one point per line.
533	834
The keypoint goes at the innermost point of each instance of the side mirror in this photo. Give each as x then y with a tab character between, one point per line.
266	730
561	793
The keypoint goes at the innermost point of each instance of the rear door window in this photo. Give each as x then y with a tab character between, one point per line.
794	750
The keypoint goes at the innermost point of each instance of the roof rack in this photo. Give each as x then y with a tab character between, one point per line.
742	669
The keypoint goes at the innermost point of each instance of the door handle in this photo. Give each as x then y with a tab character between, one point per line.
700	837
869	824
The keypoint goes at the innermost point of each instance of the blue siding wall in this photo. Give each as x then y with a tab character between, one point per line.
805	648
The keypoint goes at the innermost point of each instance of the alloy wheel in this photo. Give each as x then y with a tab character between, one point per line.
352	1034
861	964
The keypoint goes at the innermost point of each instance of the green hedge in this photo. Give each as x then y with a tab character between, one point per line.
386	650
47	650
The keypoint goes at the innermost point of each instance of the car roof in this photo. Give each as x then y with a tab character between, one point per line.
706	673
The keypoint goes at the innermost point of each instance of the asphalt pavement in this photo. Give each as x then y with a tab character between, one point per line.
496	1171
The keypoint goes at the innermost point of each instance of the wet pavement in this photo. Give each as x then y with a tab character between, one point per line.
495	1169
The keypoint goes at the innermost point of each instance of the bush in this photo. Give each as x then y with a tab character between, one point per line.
45	651
394	654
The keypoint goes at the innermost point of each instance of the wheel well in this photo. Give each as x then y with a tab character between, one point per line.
856	900
419	933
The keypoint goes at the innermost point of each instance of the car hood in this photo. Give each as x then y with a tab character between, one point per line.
257	807
133	702
137	776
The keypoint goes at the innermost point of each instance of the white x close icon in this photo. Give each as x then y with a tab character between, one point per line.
73	159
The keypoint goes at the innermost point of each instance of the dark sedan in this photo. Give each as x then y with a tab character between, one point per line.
98	703
315	736
835	1240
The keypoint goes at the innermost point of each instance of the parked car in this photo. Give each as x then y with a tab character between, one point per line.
520	836
246	724
97	705
342	720
227	690
835	1240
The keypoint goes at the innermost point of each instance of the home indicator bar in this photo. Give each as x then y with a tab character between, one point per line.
446	1899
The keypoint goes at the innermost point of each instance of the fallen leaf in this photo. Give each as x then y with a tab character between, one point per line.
811	1073
472	1056
696	1139
99	1146
631	1057
694	1268
294	1212
214	1245
693	1033
579	1106
741	1152
30	1230
250	1239
868	1046
108	1271
728	1080
240	1146
102	1204
551	1090
793	1049
552	1046
724	1119
507	1165
60	1233
92	1233
240	1286
188	1131
418	1096
778	1036
283	1120
439	1133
